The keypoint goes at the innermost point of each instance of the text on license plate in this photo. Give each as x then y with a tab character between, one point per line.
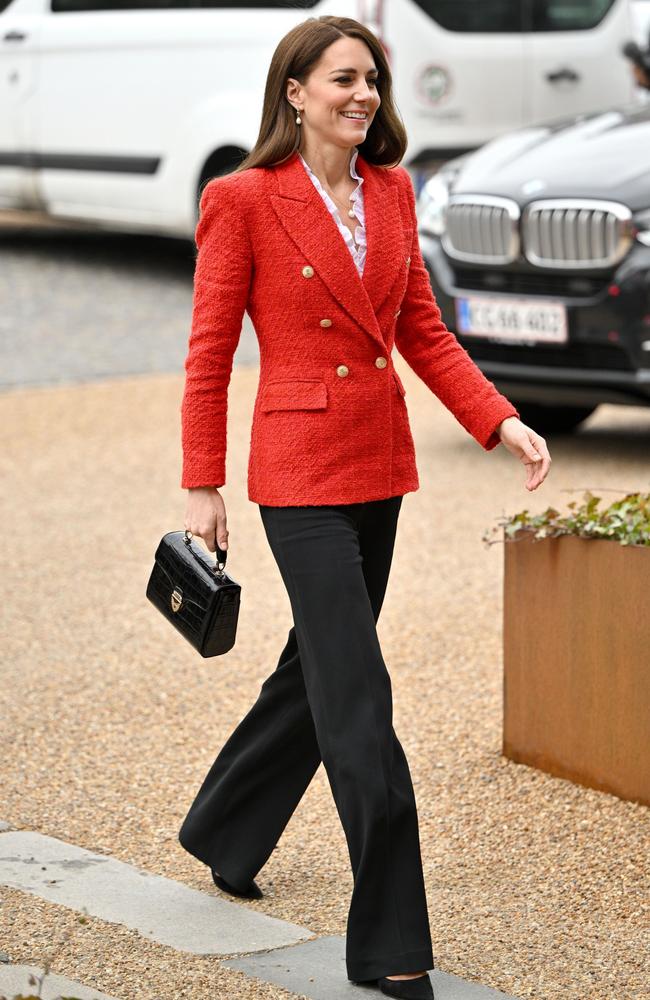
512	319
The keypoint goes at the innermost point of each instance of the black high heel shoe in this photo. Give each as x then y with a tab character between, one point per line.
419	988
252	891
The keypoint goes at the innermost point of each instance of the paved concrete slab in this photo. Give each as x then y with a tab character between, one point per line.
14	980
317	970
112	305
158	908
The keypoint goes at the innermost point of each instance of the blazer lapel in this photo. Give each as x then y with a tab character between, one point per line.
385	235
306	219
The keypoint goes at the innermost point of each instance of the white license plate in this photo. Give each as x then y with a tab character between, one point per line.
510	319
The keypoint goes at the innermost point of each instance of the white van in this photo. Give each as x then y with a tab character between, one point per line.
115	112
467	71
641	21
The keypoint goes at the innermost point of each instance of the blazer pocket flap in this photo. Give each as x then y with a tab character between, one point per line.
399	383
294	394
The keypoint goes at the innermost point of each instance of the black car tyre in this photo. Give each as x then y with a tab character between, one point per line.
552	419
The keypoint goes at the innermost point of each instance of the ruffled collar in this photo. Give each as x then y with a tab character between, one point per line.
353	173
356	198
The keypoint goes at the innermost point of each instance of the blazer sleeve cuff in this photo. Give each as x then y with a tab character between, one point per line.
198	472
493	438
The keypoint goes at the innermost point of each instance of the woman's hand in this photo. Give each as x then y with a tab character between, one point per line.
206	512
528	446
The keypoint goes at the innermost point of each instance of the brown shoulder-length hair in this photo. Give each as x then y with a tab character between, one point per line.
295	56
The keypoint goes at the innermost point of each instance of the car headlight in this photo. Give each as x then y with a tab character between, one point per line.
641	223
432	204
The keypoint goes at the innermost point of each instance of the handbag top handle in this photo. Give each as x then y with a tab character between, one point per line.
220	554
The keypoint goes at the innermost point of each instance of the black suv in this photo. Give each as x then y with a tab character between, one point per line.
538	250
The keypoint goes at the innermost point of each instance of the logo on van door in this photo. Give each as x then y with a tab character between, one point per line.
434	83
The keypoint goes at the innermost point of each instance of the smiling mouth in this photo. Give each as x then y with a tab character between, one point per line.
361	116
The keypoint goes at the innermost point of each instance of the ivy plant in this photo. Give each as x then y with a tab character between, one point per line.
626	521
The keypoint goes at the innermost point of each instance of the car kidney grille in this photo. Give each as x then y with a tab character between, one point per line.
576	233
482	229
560	233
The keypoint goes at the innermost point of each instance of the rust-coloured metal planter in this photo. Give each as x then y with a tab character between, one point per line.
576	638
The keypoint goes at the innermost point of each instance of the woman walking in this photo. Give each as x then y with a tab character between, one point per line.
315	235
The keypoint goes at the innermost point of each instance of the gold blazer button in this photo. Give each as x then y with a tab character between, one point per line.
326	322
342	370
308	271
381	362
408	261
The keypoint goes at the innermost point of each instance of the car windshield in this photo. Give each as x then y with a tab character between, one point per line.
565	15
511	16
68	6
491	16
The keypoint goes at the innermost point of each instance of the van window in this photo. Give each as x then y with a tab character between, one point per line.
66	6
566	15
487	16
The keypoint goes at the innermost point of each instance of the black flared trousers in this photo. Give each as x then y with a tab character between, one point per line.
328	699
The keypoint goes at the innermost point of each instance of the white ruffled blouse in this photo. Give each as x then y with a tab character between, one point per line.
358	249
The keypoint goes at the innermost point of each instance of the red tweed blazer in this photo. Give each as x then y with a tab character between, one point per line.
330	422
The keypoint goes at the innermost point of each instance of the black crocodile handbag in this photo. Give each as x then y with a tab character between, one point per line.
194	594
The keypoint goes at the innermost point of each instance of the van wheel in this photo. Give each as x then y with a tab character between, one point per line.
552	419
223	161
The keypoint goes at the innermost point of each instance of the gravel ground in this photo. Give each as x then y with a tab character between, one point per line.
536	886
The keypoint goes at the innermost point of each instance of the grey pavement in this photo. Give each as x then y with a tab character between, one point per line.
159	908
317	970
14	979
185	919
81	305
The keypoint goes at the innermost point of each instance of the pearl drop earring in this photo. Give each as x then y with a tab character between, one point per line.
298	118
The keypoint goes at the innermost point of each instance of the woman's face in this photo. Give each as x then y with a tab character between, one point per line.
343	80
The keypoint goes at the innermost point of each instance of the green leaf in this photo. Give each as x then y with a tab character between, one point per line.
626	520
